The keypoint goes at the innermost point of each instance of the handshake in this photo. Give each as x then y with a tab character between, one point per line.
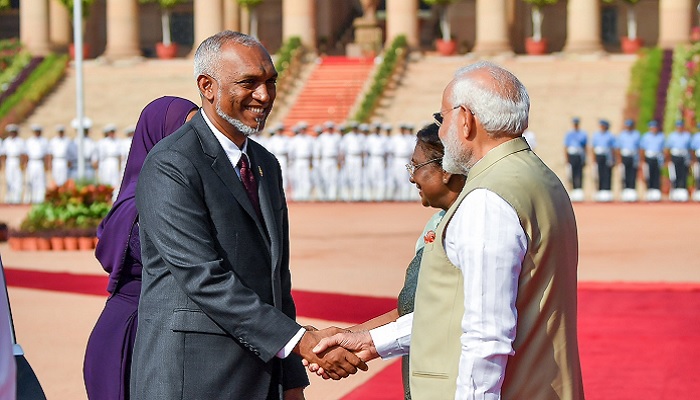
335	353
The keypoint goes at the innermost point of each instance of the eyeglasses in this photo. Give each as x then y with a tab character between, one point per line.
412	168
438	115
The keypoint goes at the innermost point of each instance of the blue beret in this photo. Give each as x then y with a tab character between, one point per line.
629	122
653	124
604	122
679	123
576	120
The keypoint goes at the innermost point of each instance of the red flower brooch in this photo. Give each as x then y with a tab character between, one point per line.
429	237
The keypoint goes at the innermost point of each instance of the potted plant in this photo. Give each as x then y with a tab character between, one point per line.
631	43
445	45
86	12
251	6
537	45
165	49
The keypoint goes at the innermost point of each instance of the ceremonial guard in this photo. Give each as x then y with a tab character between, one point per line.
88	153
677	148
695	148
14	154
328	143
603	145
375	168
278	144
401	148
109	151
37	154
652	149
300	152
628	152
352	147
62	151
575	145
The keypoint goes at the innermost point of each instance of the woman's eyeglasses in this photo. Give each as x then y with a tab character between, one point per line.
411	167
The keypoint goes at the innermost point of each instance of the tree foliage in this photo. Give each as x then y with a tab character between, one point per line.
249	3
167	4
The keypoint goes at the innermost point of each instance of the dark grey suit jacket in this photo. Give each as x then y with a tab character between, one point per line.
216	300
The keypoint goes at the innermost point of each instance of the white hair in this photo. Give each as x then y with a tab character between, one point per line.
501	103
207	58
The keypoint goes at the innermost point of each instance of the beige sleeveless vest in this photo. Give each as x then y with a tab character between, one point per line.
546	361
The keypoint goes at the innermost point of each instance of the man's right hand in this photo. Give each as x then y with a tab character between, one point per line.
337	362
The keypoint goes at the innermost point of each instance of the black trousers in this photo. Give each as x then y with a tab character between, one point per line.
576	162
604	172
654	178
630	178
681	172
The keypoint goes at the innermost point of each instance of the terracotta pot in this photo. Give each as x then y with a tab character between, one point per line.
630	46
30	243
695	34
43	244
446	47
96	239
86	243
15	243
166	52
86	51
57	243
70	243
534	47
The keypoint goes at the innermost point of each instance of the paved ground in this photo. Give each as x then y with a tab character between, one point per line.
358	249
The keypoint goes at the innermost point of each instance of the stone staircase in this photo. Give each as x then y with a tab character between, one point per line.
331	90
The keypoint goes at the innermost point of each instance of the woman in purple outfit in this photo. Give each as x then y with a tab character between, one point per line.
108	353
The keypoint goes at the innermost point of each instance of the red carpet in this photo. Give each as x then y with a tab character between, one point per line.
637	341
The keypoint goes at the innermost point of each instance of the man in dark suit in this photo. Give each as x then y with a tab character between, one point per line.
216	316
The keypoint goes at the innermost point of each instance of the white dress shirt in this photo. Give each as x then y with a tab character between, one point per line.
234	155
485	241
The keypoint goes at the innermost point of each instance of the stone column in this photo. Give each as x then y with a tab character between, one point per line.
232	16
583	26
491	28
60	28
402	19
208	20
299	19
674	22
34	26
122	29
245	20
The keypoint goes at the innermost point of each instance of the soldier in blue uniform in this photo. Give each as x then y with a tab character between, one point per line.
627	145
652	149
575	143
677	148
695	149
603	144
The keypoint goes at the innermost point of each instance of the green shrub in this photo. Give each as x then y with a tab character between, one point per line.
644	84
15	66
381	78
41	81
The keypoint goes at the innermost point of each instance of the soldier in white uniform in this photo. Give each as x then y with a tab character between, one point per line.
300	152
328	144
401	147
375	169
14	153
352	149
89	152
316	184
109	158
278	144
62	151
37	154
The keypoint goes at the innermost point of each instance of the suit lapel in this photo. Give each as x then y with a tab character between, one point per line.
223	168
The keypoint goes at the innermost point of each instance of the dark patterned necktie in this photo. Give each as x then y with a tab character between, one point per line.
249	183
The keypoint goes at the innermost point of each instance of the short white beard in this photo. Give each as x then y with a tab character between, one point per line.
456	160
239	125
